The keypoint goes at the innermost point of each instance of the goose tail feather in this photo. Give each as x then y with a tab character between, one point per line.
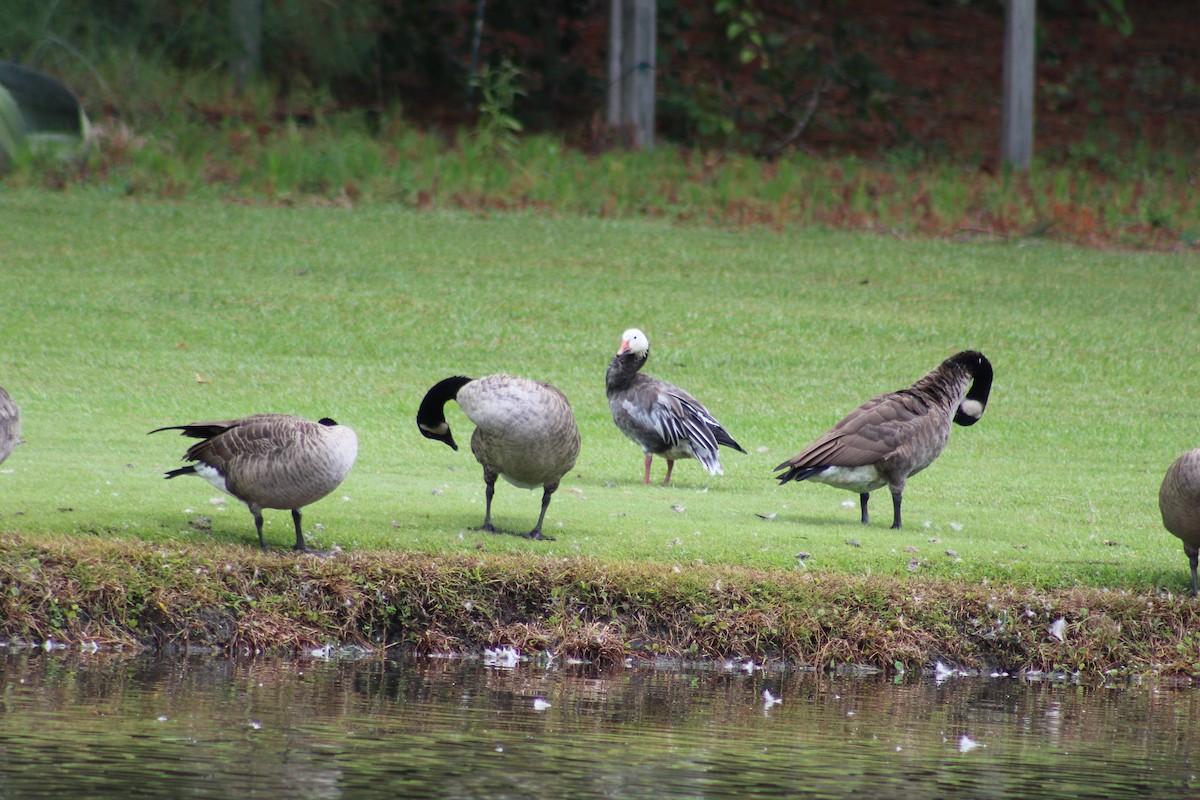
796	473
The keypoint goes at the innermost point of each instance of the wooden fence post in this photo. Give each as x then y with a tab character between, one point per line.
246	19
632	36
1016	119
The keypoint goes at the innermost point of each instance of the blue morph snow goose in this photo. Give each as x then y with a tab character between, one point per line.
270	461
1179	503
664	419
525	432
10	425
896	435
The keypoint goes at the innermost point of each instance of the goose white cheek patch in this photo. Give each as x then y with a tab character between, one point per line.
972	408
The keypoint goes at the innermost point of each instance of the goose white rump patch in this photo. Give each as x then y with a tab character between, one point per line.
212	475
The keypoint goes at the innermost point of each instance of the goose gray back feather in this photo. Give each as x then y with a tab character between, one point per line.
10	425
1179	503
662	418
525	432
896	435
270	460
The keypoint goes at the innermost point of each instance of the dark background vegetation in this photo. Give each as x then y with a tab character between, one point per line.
763	76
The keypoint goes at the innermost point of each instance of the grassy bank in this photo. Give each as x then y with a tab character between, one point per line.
125	316
123	593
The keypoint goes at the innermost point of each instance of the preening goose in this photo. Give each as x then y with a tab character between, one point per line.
524	431
10	425
664	419
893	436
270	461
1179	502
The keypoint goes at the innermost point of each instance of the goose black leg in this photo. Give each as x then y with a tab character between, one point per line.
862	503
489	480
258	526
536	533
896	512
299	532
1193	558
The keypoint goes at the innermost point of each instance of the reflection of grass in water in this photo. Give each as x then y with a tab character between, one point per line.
401	728
133	316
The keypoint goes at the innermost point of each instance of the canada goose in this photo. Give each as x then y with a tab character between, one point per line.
895	435
270	461
664	419
10	425
524	431
1179	502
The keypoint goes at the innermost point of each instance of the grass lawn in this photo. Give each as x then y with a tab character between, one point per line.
123	316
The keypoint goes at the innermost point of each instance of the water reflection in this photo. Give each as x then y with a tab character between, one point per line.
103	725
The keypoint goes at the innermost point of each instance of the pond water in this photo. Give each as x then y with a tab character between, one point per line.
103	725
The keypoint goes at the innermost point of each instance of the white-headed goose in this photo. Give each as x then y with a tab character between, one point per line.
664	419
1179	502
10	425
893	436
524	431
270	461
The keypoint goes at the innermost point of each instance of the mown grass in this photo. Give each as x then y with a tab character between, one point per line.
128	316
125	316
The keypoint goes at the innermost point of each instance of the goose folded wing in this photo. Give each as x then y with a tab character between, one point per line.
872	432
697	425
8	409
249	440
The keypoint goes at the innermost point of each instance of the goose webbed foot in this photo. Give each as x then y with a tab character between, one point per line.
537	535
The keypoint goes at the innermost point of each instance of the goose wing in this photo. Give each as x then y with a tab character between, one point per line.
10	416
669	418
10	425
872	432
255	438
212	428
684	419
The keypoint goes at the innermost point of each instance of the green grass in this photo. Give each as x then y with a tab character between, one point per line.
125	316
201	147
